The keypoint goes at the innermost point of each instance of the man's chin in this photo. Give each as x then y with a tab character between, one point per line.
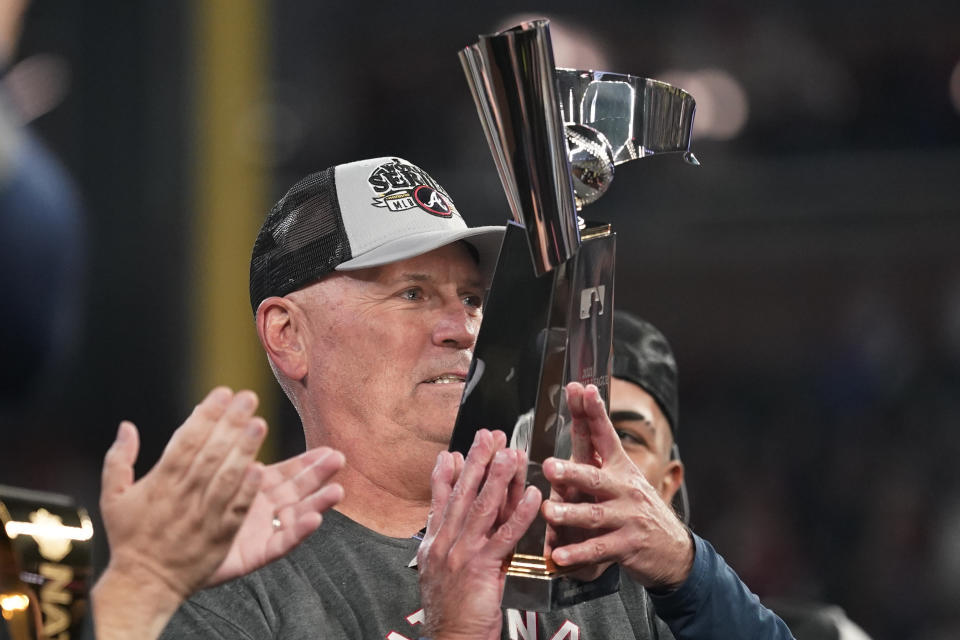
438	431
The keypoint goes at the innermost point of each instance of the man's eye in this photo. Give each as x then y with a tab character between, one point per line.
414	293
473	301
629	438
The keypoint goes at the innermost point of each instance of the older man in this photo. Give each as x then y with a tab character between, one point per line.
367	289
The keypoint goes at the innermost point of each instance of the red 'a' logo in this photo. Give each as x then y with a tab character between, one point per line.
432	201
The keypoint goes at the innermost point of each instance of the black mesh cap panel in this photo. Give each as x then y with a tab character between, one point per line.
642	355
302	239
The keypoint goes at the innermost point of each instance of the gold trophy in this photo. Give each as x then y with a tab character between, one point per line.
45	565
555	136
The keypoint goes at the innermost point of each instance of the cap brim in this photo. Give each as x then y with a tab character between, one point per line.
486	240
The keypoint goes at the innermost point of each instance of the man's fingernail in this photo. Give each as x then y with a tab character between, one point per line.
558	468
248	401
560	555
221	396
253	430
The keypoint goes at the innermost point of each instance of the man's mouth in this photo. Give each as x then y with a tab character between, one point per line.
446	378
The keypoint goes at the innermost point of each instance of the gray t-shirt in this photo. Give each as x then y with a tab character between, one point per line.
346	581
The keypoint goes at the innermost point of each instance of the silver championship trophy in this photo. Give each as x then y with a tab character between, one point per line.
555	135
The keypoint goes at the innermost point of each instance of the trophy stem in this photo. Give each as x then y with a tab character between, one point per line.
547	331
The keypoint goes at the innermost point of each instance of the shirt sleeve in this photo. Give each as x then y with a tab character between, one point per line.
714	603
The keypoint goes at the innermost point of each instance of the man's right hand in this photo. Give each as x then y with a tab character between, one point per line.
478	513
176	529
622	517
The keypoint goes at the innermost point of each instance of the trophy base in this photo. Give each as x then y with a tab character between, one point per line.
534	583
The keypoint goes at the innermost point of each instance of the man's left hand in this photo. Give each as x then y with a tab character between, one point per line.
624	519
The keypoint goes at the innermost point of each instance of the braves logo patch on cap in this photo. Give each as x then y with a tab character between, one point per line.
401	186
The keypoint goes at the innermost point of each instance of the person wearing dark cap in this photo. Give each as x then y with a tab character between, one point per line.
366	287
644	409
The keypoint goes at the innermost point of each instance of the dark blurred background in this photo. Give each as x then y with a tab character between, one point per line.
807	274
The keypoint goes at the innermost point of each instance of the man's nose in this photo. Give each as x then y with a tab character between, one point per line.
456	326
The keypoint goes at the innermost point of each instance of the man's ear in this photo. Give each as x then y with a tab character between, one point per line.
283	332
672	479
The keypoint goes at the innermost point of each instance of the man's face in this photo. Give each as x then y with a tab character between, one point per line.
645	434
391	345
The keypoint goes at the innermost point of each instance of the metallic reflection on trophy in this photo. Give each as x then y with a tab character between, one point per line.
556	136
45	564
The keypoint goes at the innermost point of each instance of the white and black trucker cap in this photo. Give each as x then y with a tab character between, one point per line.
358	215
